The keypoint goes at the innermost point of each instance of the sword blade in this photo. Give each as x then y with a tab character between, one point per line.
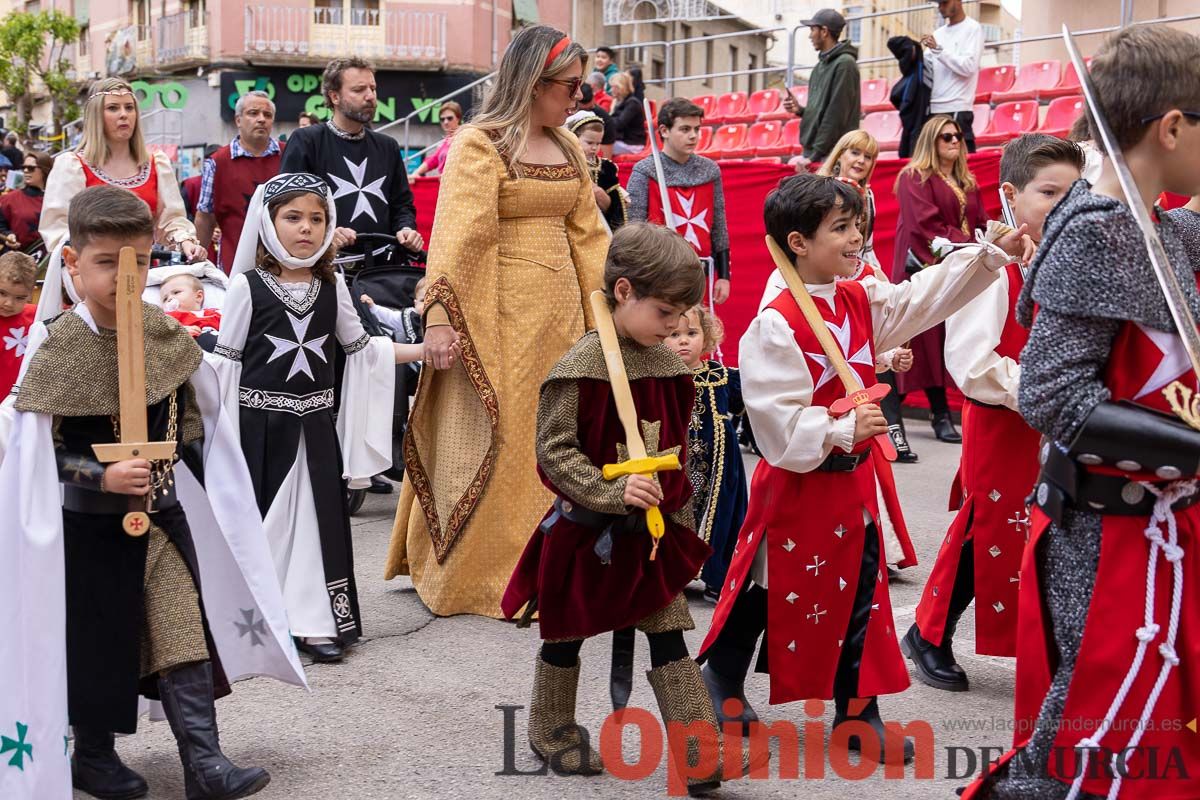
131	353
651	126
1168	281
618	378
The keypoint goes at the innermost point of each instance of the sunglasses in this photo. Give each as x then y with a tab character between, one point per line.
28	168
448	118
950	137
1152	117
572	84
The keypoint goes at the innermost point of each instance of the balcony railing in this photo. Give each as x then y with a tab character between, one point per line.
178	41
385	36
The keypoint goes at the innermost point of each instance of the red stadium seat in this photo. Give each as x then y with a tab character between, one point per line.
1034	77
763	102
983	115
1068	86
1061	115
760	135
708	102
766	160
788	142
874	95
705	139
1009	120
994	79
728	140
801	95
885	127
731	109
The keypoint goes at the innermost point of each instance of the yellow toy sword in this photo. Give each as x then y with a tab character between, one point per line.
131	367
639	463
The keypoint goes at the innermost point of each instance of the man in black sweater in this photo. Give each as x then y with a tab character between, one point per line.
365	169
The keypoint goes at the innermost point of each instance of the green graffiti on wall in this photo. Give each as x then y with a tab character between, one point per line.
314	103
168	94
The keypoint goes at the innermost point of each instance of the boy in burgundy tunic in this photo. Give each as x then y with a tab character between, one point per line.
588	567
981	555
815	580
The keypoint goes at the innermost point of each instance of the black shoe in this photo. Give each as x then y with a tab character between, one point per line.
322	652
944	430
187	700
379	486
935	664
97	770
904	452
870	715
721	689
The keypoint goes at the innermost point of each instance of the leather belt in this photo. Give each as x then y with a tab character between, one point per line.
89	501
843	462
605	524
1064	484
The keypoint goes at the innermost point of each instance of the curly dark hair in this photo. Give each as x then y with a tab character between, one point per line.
323	269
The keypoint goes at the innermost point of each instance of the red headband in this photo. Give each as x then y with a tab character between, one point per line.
556	51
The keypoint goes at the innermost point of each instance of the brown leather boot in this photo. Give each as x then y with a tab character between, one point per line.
684	699
554	735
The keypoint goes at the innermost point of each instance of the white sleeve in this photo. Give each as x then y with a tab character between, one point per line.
172	222
392	317
66	180
972	334
226	358
962	58
364	422
902	310
777	389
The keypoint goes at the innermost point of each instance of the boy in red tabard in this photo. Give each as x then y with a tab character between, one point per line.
17	278
981	555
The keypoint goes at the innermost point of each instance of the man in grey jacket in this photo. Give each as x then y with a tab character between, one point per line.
834	106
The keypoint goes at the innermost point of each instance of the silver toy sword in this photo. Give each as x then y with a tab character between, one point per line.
1181	313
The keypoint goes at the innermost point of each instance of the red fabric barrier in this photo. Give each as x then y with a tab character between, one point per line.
746	187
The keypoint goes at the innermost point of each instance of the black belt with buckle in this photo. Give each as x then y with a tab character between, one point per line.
606	524
89	501
1064	484
843	462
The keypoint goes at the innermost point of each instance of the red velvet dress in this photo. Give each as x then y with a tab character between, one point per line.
578	595
144	184
927	211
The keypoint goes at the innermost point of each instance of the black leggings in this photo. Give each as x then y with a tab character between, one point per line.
664	648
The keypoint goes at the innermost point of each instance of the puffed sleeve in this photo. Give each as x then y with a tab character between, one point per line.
900	311
972	334
173	224
226	358
364	422
777	390
65	181
588	238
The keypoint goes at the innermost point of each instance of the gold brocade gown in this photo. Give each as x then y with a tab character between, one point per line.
511	261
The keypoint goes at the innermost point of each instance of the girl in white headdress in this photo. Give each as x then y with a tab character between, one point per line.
286	312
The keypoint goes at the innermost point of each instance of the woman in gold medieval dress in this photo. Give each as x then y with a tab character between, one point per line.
517	246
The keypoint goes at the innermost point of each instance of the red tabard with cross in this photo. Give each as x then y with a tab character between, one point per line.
1142	363
692	209
14	336
812	524
997	473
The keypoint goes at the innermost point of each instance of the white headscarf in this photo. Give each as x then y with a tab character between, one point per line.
57	283
260	227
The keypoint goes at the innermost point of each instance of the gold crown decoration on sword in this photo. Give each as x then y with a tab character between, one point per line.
640	462
131	371
1178	396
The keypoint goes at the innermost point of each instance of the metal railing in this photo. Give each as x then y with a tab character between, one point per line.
178	41
383	35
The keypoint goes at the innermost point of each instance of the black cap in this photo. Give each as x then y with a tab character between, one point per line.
826	18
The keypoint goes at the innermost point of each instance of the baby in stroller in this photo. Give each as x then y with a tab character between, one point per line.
191	293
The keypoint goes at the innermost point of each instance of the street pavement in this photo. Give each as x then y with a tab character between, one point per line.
412	711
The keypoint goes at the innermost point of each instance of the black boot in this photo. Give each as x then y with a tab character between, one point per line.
620	682
187	699
944	430
868	713
728	660
379	486
890	405
904	451
97	770
935	665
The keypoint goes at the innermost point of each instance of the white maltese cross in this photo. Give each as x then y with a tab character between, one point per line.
690	218
17	339
299	345
842	333
362	205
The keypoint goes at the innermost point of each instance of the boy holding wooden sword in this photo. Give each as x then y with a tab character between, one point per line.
619	544
807	568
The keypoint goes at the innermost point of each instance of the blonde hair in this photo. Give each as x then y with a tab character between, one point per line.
710	326
19	268
94	145
854	140
623	81
504	114
924	161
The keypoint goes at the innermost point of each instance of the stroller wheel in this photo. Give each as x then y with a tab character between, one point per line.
354	499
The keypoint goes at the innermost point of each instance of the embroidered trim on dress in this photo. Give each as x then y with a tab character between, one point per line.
298	404
549	172
445	536
228	352
132	182
301	306
962	204
357	344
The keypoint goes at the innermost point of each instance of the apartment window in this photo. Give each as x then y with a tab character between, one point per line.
33	6
709	57
364	12
734	66
752	78
854	26
685	32
82	46
195	13
141	18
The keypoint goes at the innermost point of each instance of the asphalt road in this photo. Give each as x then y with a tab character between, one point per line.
412	712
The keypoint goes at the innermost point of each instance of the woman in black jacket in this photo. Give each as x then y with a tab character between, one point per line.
627	115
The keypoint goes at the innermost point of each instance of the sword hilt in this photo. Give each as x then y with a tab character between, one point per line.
866	396
646	466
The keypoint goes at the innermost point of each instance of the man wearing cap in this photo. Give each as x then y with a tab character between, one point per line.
952	56
833	89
